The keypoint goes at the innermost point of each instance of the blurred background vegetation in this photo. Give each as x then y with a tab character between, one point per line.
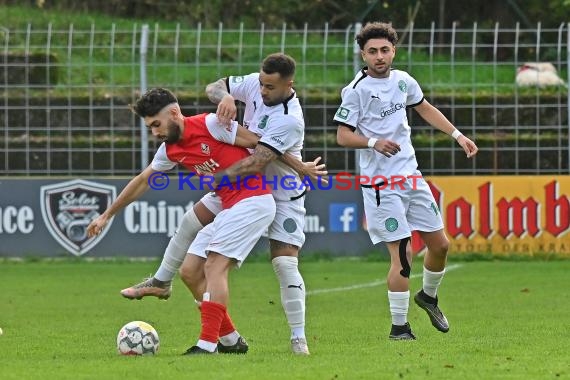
337	13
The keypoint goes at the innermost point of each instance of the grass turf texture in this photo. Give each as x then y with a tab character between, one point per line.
508	320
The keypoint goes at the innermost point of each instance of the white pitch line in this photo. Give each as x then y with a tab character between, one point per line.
368	284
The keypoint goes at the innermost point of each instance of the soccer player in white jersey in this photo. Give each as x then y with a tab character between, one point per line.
286	233
273	112
372	118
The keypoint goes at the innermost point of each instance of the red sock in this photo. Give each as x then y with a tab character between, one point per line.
212	314
227	326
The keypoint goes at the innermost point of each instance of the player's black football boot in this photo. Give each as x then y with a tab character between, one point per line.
195	350
403	332
429	304
240	347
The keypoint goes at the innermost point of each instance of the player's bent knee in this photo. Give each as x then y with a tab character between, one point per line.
280	249
189	226
192	270
440	249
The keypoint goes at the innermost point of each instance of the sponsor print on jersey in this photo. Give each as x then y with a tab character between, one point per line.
342	113
69	207
277	140
393	109
343	217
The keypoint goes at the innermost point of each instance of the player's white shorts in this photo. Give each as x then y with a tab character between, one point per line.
392	213
235	230
212	202
288	226
289	223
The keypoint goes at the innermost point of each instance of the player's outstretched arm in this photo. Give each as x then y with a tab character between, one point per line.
310	169
253	164
436	119
134	189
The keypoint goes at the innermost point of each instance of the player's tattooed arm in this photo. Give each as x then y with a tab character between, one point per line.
245	138
217	90
247	166
218	94
310	169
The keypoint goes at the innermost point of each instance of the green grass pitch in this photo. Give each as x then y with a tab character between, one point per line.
509	320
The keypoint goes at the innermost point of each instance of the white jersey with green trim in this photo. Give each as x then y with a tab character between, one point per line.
281	128
376	107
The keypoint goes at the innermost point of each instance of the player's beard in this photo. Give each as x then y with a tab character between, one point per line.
172	133
271	102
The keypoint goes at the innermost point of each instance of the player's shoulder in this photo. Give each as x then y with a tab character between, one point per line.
401	74
240	79
356	83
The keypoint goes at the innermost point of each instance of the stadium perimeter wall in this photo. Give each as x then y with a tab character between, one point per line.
501	215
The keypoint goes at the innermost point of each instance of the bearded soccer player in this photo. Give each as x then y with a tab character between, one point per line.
201	145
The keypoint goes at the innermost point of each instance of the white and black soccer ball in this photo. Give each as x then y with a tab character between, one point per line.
137	338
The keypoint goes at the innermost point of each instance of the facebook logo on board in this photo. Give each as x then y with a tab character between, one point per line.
342	217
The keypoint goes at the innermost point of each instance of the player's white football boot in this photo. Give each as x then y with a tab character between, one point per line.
299	346
149	287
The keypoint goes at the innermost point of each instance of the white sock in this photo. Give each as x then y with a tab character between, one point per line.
399	302
292	293
178	246
205	345
431	282
230	339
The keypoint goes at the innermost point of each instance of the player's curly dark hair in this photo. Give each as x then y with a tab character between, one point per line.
152	101
279	63
376	30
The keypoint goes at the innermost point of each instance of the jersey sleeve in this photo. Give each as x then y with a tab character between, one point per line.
221	132
243	87
349	111
415	93
160	162
283	132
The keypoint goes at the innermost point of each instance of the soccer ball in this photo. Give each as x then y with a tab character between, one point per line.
137	338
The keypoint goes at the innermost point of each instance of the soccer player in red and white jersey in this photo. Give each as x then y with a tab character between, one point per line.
273	112
202	145
372	118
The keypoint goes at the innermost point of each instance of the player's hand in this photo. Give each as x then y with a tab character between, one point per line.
97	225
387	147
227	110
315	171
468	146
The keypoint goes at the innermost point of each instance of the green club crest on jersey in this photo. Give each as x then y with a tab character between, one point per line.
263	122
342	113
237	79
402	86
391	224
